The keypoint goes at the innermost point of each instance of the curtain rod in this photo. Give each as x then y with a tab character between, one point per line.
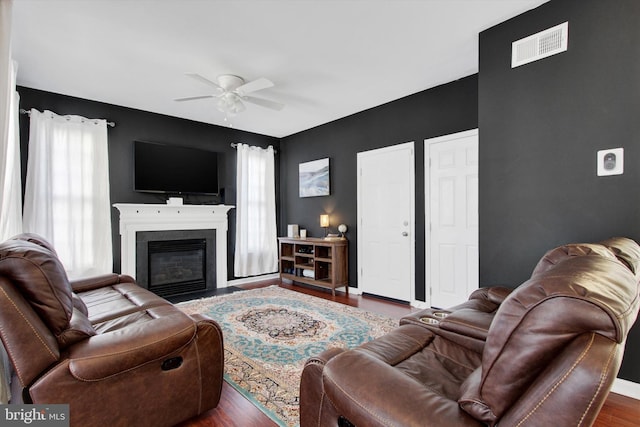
234	145
28	113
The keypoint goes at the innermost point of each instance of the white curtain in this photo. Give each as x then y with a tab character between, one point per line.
9	161
67	190
10	185
256	234
10	171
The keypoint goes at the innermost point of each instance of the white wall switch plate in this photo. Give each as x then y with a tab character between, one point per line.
611	162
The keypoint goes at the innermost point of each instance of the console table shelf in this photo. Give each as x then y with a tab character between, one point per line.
315	261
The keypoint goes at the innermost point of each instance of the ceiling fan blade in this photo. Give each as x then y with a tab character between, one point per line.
264	102
253	86
191	98
204	80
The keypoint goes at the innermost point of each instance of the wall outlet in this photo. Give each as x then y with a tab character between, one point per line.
610	162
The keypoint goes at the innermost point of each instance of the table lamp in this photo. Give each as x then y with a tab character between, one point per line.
324	223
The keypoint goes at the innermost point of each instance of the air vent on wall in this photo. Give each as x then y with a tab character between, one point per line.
540	45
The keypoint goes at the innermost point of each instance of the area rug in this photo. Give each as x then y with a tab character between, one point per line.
270	332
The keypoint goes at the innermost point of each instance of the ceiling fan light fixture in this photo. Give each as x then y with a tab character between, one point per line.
230	103
236	105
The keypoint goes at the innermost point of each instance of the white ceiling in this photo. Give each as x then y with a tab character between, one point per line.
327	58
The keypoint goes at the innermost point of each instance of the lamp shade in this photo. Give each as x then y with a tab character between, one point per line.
324	220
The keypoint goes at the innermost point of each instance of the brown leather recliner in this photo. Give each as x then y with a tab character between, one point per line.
551	355
116	353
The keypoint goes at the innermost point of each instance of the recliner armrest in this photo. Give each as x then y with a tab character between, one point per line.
112	353
468	322
495	294
498	294
95	282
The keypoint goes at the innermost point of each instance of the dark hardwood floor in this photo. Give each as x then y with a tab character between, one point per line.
235	410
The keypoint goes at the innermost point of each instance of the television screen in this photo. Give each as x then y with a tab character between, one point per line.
163	168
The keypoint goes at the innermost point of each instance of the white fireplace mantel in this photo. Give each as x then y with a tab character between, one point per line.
157	217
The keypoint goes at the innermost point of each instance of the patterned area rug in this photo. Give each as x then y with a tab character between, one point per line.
270	332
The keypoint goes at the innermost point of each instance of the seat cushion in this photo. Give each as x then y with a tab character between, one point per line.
400	378
118	300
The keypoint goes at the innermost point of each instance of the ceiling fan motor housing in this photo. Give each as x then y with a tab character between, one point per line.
229	82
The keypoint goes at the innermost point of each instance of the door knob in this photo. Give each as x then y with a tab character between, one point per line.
404	233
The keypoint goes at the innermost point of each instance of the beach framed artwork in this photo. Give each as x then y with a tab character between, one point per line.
314	178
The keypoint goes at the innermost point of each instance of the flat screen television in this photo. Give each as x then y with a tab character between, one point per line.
173	169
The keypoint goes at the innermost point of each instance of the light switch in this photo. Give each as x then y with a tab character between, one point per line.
610	162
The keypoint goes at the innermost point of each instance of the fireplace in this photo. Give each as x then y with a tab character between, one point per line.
141	218
175	262
177	266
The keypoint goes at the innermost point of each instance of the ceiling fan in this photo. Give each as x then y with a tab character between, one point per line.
232	90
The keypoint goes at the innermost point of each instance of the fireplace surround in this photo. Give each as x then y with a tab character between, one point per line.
137	218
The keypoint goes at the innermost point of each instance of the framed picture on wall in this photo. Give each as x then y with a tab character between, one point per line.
314	178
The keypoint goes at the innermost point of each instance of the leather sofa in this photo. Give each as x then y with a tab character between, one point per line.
553	349
116	353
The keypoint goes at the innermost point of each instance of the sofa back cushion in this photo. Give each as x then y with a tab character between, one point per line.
561	253
627	251
37	239
588	290
36	272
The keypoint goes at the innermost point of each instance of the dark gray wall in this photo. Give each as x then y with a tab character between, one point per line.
134	125
439	111
540	128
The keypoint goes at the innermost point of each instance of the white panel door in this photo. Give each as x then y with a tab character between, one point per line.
386	202
451	212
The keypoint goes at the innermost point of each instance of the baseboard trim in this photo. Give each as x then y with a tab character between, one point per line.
626	388
419	304
252	279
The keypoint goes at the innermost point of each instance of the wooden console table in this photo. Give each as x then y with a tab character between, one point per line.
315	261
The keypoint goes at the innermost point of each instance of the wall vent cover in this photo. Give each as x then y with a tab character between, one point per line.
540	45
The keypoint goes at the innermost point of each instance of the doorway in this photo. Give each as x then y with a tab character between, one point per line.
451	211
386	221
